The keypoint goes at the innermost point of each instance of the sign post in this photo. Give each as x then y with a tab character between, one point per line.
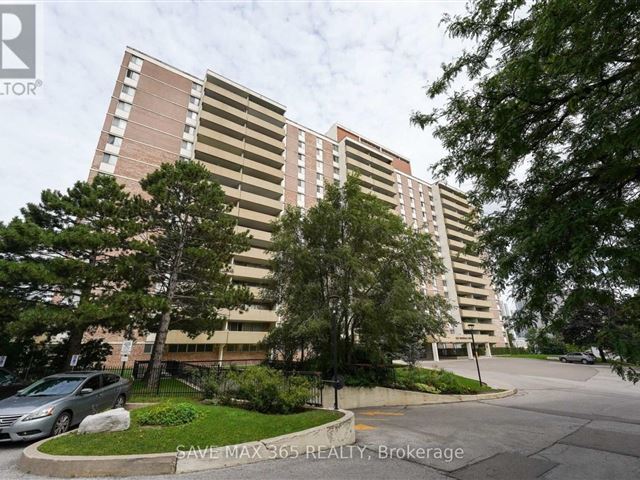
125	350
74	361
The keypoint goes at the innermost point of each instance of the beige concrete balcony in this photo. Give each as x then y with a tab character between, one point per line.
456	245
473	302
253	315
278	117
245	337
220	337
478	282
219	108
464	313
471	259
229	95
458	225
259	238
447	202
223	172
482	326
466	268
276	145
472	290
260	170
257	153
455	215
460	235
220	140
236	126
248	274
176	336
261	220
204	152
254	255
265	205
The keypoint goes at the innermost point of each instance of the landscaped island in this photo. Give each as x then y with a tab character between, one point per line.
425	380
213	426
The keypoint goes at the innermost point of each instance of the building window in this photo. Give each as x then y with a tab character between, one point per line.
318	154
335	149
300	183
148	347
136	60
336	159
319	177
128	90
194	100
319	143
300	144
336	171
113	140
125	107
196	86
319	190
110	159
301	158
192	115
189	347
187	146
300	199
133	75
300	170
119	123
189	130
301	135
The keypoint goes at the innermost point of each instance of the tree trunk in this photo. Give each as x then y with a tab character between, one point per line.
152	375
74	345
602	355
155	364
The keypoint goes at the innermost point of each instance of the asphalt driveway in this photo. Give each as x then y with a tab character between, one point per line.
566	422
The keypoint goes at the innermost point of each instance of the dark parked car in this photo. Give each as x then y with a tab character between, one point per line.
54	404
578	357
9	383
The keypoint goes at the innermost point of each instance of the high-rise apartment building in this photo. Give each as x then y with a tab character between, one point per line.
264	161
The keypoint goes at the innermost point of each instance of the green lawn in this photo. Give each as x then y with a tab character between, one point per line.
215	426
169	388
446	382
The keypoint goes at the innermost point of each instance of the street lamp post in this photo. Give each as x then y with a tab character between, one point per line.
333	304
470	327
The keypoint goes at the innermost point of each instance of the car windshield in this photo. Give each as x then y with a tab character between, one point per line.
50	387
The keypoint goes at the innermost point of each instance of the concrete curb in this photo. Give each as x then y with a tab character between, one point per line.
363	397
203	457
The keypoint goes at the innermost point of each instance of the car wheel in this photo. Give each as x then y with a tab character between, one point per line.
120	401
563	360
62	424
584	362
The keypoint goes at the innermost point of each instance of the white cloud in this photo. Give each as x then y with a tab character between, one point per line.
361	64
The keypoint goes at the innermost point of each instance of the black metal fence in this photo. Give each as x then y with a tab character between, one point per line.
190	378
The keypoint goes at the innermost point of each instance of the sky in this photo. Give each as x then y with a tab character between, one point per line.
362	64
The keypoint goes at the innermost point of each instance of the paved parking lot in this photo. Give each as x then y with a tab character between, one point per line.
566	422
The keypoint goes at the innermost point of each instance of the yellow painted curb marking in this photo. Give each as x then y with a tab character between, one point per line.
377	412
362	426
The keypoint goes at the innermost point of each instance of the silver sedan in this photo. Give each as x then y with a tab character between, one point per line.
54	404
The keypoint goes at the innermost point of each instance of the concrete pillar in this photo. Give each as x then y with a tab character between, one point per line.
436	356
487	350
469	351
220	353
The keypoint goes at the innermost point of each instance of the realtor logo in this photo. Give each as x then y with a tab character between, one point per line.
18	41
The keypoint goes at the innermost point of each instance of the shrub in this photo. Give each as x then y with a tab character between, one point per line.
423	387
168	414
266	390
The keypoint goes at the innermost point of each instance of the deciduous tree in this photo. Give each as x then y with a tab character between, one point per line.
546	130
